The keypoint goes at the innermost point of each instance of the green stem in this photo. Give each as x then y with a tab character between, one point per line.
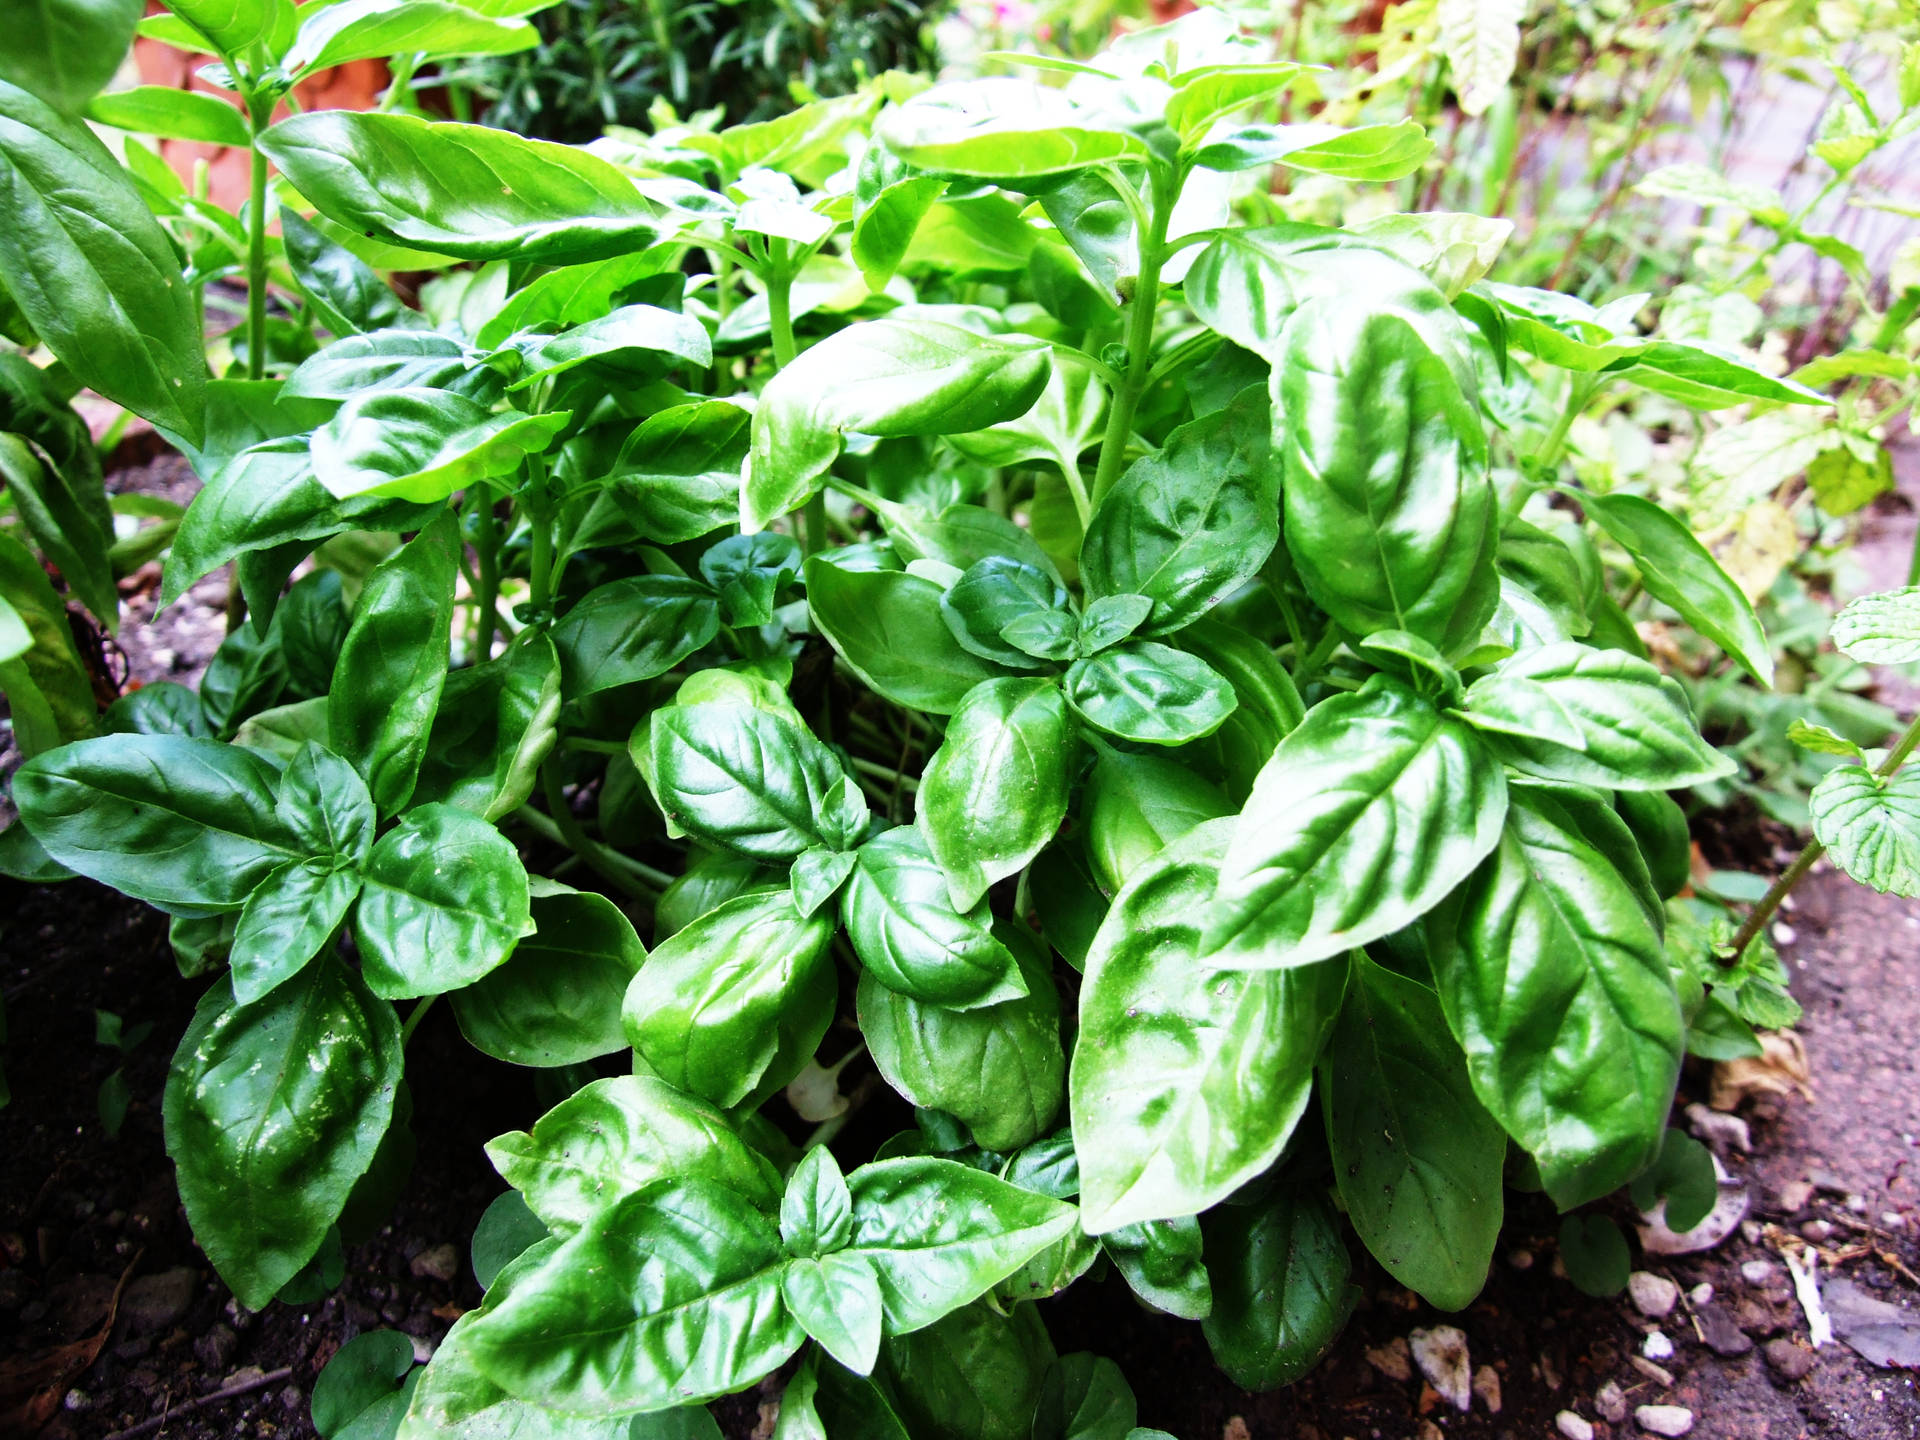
1306	669
486	545
885	772
1763	911
1580	392
400	83
1146	297
260	111
414	1017
780	307
814	536
608	864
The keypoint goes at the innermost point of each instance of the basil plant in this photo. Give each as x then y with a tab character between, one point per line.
1140	677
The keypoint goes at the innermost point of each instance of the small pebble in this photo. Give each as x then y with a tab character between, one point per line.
1700	1294
1657	1346
1573	1426
440	1262
78	1400
1817	1231
1751	1232
1520	1259
1393	1359
1783	933
1794	1196
1669	1420
423	1348
1486	1385
1653	1295
1789	1361
1441	1354
1893	1220
216	1348
1611	1401
1758	1272
1857	1204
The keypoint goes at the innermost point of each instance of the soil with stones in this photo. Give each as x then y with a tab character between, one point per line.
112	1322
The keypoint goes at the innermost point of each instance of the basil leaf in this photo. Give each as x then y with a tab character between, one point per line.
1136	805
836	1299
669	1296
62	518
749	571
993	594
1161	1262
1677	570
460	190
1605	718
1149	693
319	1057
496	722
81	256
1186	527
1880	629
1003	128
231	25
940	1234
287	920
1703	377
733	1005
677	477
638	340
402	358
421	445
617	1136
887	377
1280	1290
888	627
445	901
1417	1158
395	661
1871	826
911	938
818	874
1369	153
1186	1082
977	1374
343	289
752	782
170	114
66	53
710	881
632	630
162	708
556	999
1554	980
996	790
49	693
1267	705
188	826
998	1069
377	29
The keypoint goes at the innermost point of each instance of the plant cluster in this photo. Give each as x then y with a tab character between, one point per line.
1147	680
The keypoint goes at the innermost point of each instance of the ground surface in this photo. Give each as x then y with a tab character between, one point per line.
80	1211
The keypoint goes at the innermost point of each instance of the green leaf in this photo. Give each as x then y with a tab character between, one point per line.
1595	1254
818	874
976	1374
364	1373
1481	41
677	477
64	52
1137	805
1186	527
1677	570
1880	629
669	1296
82	257
1871	826
507	1230
1268	705
888	627
171	114
394	664
1683	1178
910	937
1371	153
889	201
940	1234
1085	1398
1149	693
1003	128
749	571
556	999
752	782
639	340
816	1210
1553	977
378	29
496	722
1186	1082
288	919
1366	817
1161	1263
836	1298
422	445
617	1136
445	902
185	825
1280	1291
460	190
392	358
348	296
887	377
1592	717
232	25
273	1110
50	666
993	594
1706	378
1704	185
1453	251
1391	519
1205	96
631	630
733	1005
998	1069
1417	1157
996	790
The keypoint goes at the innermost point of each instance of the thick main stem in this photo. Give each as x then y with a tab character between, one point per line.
1146	296
486	545
260	111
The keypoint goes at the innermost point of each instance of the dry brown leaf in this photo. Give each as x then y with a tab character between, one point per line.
1781	1068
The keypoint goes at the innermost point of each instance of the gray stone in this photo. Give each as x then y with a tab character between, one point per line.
1790	1361
153	1302
1611	1401
1653	1295
1441	1354
216	1348
1669	1420
441	1262
1723	1337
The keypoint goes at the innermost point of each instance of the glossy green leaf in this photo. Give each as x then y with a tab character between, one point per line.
421	445
1188	526
1706	378
1682	1178
273	1110
1659	828
1186	1082
378	29
836	1299
496	722
669	1296
1369	153
998	1069
171	114
890	199
91	269
975	1375
1149	693
617	1136
1085	1397
1137	805
641	340
1367	815
634	629
1280	1290
47	674
993	594
733	1005
1592	717
1202	97
1003	128
1555	982
1161	1263
65	52
1417	1157
677	477
1595	1254
817	875
749	571
287	920
888	627
1880	629
231	25
185	825
887	377
348	296
461	190
1268	705
386	358
445	902
996	790
1391	520
1871	826
394	661
556	999
363	1373
909	936
1678	571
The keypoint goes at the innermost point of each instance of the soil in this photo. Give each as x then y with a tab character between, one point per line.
111	1318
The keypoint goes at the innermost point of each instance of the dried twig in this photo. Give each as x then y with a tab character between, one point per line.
231	1392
